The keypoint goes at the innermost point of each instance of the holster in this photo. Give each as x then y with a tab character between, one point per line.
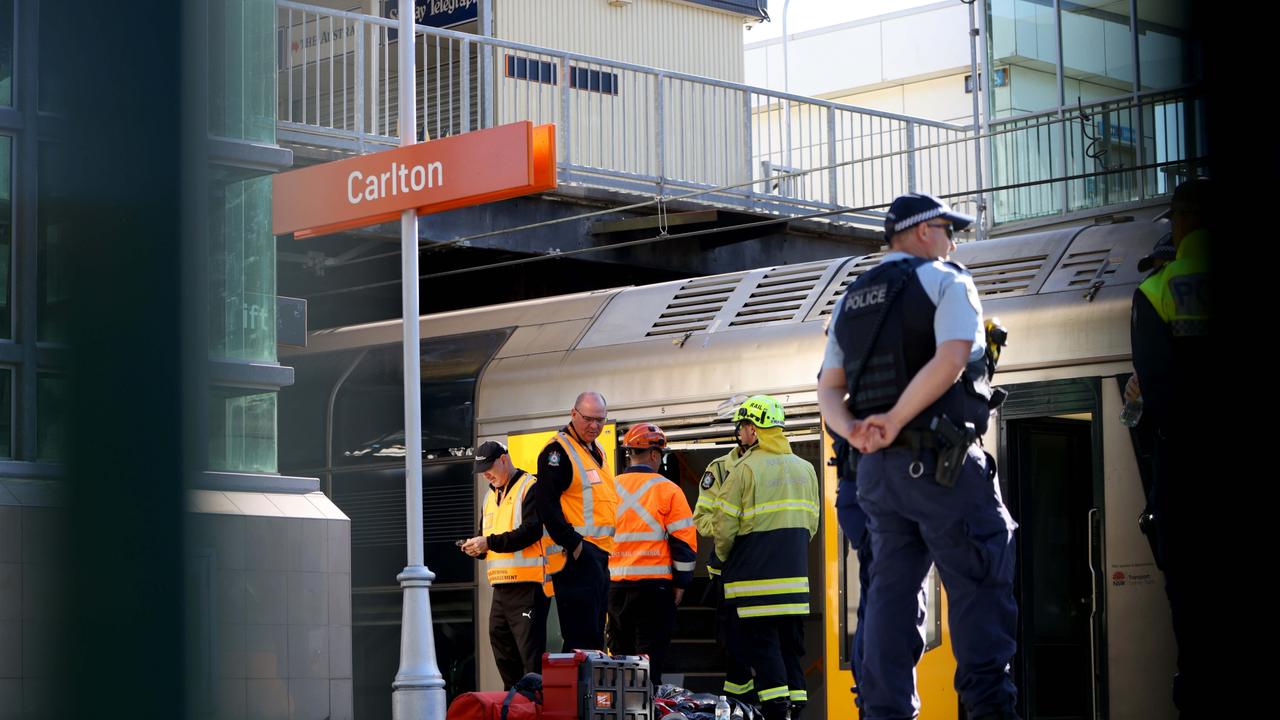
953	446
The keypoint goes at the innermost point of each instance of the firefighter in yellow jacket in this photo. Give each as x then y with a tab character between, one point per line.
511	542
654	552
738	682
768	514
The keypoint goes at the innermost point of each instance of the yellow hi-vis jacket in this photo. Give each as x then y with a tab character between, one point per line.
769	513
655	532
589	504
1179	291
708	504
527	564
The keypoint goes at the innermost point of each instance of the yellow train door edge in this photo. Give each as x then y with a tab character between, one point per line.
936	672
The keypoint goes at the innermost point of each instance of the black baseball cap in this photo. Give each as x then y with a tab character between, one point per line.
1163	250
487	453
914	208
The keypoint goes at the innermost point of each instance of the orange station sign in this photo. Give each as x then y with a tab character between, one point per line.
468	169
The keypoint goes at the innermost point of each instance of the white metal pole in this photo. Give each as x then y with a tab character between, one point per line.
786	88
418	690
977	71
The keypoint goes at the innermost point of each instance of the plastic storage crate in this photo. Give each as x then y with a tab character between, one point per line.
590	685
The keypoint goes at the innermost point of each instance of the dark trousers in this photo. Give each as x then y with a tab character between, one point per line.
965	531
642	615
582	597
853	523
518	629
774	648
738	682
1177	524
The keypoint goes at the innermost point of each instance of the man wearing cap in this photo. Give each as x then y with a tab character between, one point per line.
906	381
1171	351
511	542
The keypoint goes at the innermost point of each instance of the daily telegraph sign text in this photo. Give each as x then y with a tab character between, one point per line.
467	169
436	13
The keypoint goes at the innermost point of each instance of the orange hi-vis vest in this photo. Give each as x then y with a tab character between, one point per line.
589	504
651	508
526	565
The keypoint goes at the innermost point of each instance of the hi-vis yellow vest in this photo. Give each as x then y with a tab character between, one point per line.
526	565
1179	292
590	503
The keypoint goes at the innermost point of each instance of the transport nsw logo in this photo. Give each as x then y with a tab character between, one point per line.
467	169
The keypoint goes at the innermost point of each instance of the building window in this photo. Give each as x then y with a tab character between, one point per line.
593	80
53	282
6	52
532	69
51	416
6	236
6	413
1001	75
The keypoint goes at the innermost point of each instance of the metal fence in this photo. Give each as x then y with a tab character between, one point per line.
640	129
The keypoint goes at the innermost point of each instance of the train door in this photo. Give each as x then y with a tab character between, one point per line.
1052	480
696	660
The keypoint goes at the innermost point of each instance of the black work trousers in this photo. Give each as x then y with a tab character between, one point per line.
582	597
774	647
518	629
642	616
738	682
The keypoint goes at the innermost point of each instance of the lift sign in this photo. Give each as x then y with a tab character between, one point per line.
467	169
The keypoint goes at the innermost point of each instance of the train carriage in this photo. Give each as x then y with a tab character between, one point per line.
1094	633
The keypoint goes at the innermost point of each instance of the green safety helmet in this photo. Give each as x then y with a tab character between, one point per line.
761	411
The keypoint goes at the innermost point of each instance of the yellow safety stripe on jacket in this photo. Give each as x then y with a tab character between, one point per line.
799	696
737	689
772	586
768	610
779	506
1179	291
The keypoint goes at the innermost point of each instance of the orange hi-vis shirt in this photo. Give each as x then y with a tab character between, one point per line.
651	511
590	503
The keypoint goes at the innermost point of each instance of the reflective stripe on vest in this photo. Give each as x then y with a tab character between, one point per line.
756	588
599	534
644	554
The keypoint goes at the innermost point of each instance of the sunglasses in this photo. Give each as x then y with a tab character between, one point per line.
946	228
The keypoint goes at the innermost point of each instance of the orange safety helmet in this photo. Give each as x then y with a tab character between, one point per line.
644	436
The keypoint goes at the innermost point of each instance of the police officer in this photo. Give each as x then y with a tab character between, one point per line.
653	558
738	682
906	356
1170	352
769	513
511	542
577	502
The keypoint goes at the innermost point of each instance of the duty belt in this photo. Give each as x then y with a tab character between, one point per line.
916	439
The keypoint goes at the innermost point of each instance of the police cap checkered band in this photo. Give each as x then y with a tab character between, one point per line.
913	208
487	454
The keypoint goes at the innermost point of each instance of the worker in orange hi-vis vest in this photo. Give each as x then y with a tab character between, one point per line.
654	552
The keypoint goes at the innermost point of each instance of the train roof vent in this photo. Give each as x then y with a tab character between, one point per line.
780	294
695	305
1006	277
835	290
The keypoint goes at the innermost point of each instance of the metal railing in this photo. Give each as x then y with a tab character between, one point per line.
621	126
660	133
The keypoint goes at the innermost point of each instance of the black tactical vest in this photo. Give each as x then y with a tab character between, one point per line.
903	345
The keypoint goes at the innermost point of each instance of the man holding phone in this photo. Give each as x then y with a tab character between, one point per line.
511	542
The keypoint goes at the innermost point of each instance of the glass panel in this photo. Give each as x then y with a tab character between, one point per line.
6	412
1021	37
1029	155
242	432
53	56
242	64
6	52
1097	49
1164	55
52	394
6	234
242	272
53	282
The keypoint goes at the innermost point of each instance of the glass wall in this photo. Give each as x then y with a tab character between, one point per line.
6	237
1084	116
242	272
242	64
7	27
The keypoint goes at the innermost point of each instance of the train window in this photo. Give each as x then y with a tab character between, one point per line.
368	415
